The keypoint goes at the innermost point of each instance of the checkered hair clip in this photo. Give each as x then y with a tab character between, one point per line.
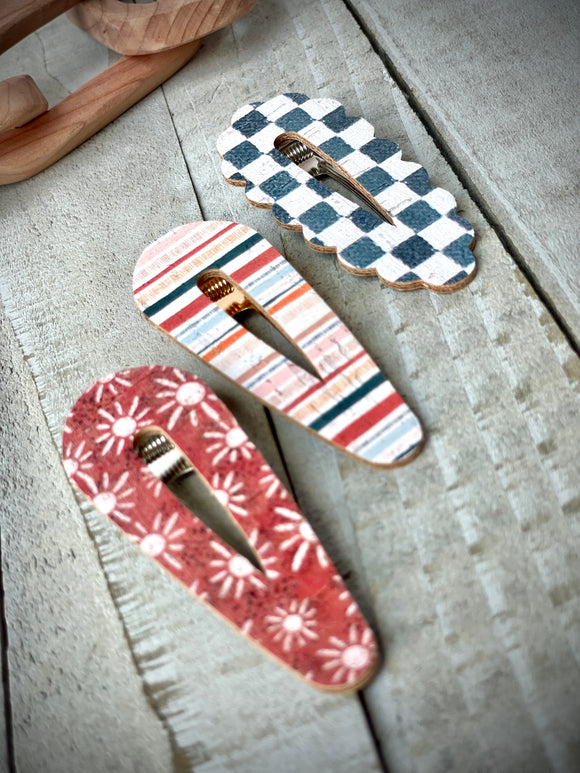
198	281
406	232
127	442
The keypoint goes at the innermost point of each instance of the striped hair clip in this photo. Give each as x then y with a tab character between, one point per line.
197	282
397	226
129	443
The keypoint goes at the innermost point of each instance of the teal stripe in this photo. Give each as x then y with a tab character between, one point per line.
149	311
353	398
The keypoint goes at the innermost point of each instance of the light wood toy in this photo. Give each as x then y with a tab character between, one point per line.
163	36
406	232
135	431
192	283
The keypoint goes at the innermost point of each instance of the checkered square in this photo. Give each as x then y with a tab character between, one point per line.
429	243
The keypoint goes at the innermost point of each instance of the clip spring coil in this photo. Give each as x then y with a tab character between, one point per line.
220	290
162	456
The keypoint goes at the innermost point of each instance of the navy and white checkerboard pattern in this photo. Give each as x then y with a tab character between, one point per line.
428	245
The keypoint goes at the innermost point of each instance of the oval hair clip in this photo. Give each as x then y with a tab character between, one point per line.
194	282
135	431
405	231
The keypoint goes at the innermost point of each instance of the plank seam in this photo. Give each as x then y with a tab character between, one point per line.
372	730
463	176
5	674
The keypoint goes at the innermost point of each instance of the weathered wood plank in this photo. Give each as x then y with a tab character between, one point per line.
470	554
73	235
76	697
499	83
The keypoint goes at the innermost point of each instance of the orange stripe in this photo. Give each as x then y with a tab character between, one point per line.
297	293
225	344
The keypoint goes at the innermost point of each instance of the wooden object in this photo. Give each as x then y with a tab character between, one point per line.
295	606
414	238
146	28
28	150
20	101
349	403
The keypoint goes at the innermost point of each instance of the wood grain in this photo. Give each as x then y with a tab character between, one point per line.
70	672
19	18
20	101
28	150
510	120
468	557
146	28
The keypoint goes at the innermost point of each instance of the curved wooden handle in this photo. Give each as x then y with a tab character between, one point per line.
18	18
26	151
20	101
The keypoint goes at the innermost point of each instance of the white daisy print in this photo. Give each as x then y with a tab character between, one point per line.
293	625
344	596
76	462
231	443
234	571
349	658
301	537
162	539
112	384
112	498
119	426
151	482
229	493
271	480
182	395
194	588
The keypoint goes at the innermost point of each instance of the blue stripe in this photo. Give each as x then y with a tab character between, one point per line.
149	311
389	436
347	402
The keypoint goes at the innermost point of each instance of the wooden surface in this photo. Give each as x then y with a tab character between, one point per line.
499	87
27	150
145	28
467	559
20	101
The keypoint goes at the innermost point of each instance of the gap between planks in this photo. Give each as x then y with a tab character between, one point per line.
8	731
463	176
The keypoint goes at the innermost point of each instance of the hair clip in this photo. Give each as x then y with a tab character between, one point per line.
405	231
132	435
195	280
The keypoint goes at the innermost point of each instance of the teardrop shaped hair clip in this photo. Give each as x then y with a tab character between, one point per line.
132	436
194	282
400	228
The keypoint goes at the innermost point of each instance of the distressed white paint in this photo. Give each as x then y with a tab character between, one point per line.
500	83
467	558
